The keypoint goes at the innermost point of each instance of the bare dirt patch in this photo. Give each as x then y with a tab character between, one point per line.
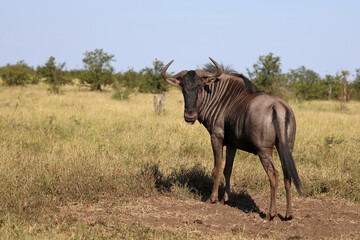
323	218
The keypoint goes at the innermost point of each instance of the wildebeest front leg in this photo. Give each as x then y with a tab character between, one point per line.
230	154
273	174
217	145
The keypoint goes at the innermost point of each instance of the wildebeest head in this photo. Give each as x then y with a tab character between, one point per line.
191	83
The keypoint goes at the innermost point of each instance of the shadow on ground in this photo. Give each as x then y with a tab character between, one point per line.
199	182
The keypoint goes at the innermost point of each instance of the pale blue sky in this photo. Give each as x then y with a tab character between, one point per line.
321	35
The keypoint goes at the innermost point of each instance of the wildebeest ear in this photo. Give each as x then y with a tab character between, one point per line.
208	80
176	79
172	80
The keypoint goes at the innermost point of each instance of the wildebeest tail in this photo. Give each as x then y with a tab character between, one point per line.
287	162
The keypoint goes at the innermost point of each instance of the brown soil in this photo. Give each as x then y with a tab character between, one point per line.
323	218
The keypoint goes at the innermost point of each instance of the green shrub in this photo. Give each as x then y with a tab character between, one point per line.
18	74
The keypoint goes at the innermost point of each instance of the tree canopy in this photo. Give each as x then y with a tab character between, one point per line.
307	84
266	74
152	80
18	74
99	71
53	74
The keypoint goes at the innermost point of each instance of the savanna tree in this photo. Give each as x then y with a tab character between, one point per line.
125	83
53	74
98	69
345	91
152	80
266	74
307	84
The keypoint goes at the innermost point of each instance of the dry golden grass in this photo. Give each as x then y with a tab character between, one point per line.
81	145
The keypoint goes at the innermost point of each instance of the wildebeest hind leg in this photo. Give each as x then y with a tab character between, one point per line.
230	154
273	174
287	183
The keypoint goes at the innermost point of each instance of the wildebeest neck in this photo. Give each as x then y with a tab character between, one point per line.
221	97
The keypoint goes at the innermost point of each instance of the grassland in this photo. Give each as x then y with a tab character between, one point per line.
83	146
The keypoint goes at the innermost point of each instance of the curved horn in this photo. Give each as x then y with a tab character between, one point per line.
204	74
172	79
163	72
218	68
209	78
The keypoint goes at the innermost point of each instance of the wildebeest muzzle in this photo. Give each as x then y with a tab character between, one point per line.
190	116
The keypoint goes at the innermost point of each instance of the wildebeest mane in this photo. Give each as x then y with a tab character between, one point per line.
248	84
228	69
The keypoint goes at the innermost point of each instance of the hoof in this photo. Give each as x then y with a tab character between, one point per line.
224	201
288	217
212	200
225	198
270	217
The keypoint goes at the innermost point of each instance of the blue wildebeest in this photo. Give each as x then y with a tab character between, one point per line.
239	116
